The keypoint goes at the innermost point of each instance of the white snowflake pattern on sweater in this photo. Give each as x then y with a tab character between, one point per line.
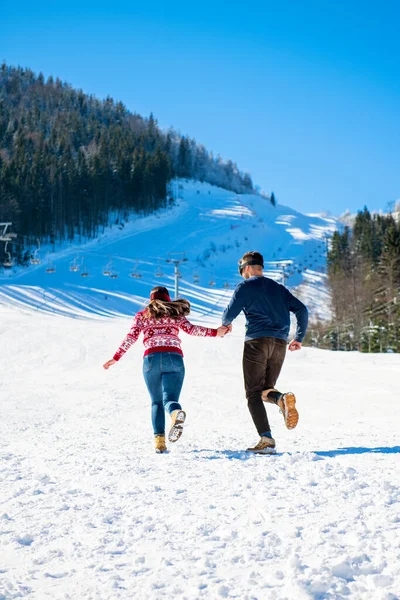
161	335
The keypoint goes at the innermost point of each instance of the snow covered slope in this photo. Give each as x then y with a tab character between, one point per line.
88	511
212	226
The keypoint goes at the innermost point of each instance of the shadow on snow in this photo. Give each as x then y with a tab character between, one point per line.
356	450
244	455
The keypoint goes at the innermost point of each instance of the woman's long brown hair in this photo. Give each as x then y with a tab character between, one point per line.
156	309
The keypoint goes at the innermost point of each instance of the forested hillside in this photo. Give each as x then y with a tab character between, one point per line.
68	159
364	278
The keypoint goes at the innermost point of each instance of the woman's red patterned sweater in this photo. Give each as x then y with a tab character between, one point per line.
161	335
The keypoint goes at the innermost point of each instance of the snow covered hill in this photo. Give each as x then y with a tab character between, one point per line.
212	226
89	511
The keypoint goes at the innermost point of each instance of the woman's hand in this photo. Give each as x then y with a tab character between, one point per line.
221	331
109	364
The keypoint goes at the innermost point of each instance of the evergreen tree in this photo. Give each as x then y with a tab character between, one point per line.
67	160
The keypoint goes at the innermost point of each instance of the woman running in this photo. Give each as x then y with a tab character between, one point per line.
163	366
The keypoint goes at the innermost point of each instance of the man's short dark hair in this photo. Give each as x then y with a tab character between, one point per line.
251	258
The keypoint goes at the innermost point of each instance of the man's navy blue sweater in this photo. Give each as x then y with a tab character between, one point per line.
267	306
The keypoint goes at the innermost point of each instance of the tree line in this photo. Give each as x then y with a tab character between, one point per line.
68	160
364	280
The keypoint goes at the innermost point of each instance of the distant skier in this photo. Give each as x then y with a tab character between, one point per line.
267	306
163	366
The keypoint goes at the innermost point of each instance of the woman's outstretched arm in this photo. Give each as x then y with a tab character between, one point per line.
199	330
128	341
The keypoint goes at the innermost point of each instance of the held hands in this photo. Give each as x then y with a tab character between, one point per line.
109	364
294	345
223	330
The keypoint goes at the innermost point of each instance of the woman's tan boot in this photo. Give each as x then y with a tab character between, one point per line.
160	444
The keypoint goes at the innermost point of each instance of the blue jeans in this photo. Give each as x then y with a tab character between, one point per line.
163	373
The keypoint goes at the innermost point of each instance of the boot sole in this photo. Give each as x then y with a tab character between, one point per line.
177	428
290	413
264	451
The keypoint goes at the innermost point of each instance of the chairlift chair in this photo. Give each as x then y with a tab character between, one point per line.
211	283
35	259
9	261
85	272
113	275
51	268
196	278
159	272
135	273
107	269
74	265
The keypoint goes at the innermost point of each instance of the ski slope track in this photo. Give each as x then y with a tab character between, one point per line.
211	226
88	511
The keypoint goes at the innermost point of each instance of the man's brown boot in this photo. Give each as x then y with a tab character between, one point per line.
287	404
266	445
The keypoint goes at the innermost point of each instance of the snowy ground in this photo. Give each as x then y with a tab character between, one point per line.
88	511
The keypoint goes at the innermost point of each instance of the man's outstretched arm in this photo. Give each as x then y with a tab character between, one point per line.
300	311
234	307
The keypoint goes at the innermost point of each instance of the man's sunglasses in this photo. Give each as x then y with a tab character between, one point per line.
242	265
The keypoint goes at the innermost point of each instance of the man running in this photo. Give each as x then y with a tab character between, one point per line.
267	306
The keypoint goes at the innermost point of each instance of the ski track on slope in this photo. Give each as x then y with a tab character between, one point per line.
212	226
88	511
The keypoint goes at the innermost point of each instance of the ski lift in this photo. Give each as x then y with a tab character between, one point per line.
51	268
9	261
4	236
74	266
85	272
226	285
135	273
159	272
107	269
196	278
113	275
35	259
211	283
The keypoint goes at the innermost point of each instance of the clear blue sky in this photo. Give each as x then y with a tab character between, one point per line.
305	95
